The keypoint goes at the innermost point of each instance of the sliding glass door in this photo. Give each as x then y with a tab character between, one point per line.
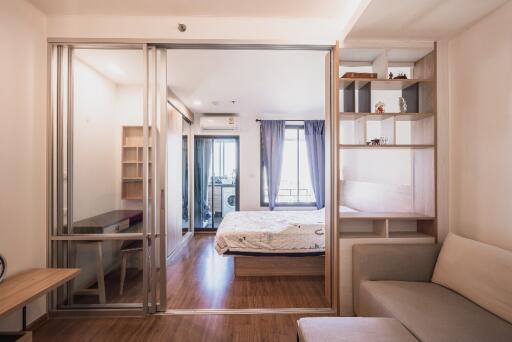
104	175
216	173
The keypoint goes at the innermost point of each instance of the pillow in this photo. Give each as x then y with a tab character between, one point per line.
478	271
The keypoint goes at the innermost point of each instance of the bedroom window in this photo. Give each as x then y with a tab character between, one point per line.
295	188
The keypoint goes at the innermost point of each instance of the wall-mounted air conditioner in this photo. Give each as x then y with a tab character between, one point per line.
219	122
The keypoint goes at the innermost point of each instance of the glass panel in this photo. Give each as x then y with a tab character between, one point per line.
216	174
185	214
289	173
306	194
113	269
102	192
203	148
295	187
107	141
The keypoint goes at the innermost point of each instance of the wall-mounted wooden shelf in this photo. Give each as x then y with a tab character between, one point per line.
384	215
381	84
388	146
384	116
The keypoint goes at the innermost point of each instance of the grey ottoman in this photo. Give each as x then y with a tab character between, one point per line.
352	329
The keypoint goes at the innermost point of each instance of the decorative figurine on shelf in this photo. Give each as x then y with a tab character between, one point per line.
400	76
380	107
402	104
375	141
390	75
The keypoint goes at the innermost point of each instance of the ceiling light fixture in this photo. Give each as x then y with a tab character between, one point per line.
197	103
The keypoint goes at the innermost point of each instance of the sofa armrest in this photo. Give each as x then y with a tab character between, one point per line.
401	262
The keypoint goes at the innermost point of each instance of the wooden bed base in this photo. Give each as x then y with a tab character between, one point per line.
273	266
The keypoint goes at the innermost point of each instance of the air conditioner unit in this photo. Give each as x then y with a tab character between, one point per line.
219	122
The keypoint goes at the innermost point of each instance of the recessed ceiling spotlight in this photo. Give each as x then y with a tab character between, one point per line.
233	101
197	103
215	103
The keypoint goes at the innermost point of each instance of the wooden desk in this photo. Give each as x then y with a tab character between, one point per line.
115	220
16	291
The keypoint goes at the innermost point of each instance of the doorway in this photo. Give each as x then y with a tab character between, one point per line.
152	289
216	187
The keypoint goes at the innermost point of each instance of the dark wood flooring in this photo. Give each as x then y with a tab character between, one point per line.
199	278
211	328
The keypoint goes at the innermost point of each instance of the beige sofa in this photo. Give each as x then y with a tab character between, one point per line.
462	292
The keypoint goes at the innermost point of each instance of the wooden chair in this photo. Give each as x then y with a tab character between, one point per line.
128	248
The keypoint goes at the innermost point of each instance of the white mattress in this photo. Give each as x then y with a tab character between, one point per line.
272	232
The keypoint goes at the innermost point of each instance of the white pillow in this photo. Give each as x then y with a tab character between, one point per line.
478	271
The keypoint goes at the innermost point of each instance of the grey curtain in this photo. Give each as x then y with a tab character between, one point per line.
314	132
272	142
202	152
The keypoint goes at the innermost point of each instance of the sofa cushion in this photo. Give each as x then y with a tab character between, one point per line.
352	329
478	271
432	312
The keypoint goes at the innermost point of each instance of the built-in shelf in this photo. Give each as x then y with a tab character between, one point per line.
384	116
388	146
361	235
380	84
403	235
385	215
132	162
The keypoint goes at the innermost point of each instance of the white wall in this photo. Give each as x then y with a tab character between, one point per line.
96	154
23	141
443	141
319	31
249	133
481	122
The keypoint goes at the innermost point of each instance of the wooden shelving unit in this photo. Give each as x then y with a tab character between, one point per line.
370	175
132	162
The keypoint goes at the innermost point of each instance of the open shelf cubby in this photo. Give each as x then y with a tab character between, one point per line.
132	162
386	225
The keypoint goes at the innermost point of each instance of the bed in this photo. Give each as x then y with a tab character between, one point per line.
272	243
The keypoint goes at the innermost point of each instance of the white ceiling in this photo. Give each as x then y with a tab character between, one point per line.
419	19
124	67
260	81
220	8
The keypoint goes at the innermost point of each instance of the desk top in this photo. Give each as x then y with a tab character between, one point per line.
96	224
21	288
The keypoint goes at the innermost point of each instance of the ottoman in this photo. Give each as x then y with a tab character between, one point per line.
352	329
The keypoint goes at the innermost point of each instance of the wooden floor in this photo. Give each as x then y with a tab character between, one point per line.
199	278
245	328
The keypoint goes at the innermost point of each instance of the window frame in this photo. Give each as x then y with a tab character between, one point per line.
297	127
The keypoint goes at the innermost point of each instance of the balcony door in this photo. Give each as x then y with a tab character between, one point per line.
216	186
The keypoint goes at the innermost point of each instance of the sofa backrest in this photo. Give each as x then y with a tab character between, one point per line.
478	271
